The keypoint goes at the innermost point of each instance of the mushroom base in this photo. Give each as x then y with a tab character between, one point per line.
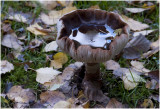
92	83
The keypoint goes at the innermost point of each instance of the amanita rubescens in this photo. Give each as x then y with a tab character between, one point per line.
88	36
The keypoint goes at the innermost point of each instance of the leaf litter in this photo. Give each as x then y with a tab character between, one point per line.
6	66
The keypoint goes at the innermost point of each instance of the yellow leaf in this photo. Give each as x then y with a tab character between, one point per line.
147	103
36	29
59	59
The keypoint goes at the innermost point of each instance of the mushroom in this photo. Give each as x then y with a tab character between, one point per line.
87	35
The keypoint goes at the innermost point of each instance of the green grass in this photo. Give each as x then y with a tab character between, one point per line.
114	86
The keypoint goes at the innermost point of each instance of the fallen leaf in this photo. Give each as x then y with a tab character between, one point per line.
6	27
155	44
131	80
154	75
136	47
95	7
63	80
21	97
134	25
62	104
139	66
49	5
9	40
147	103
59	59
113	103
154	49
145	32
50	98
6	66
151	84
35	29
150	53
20	17
52	46
46	74
111	65
65	3
35	43
155	97
53	16
136	10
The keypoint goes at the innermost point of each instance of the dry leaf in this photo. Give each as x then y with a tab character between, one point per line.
136	47
65	3
147	103
152	84
113	103
139	66
49	5
10	40
50	98
21	97
154	75
95	7
59	59
145	32
20	16
111	65
6	66
62	104
131	80
52	46
155	48
6	27
46	74
53	16
134	25
35	43
62	81
35	29
136	10
155	97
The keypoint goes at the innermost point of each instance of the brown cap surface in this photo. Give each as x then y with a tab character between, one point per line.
86	53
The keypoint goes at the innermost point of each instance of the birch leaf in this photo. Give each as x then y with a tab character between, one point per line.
52	46
136	10
46	74
59	59
6	66
36	29
53	16
134	25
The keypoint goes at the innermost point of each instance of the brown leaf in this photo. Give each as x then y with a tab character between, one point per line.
147	103
134	25
36	29
136	47
113	103
152	84
53	16
95	7
111	65
154	75
21	97
50	98
138	66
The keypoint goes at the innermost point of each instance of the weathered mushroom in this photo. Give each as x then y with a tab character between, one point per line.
87	35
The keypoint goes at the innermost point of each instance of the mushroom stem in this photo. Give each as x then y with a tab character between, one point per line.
92	71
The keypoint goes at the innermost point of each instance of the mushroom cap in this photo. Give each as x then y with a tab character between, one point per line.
86	53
